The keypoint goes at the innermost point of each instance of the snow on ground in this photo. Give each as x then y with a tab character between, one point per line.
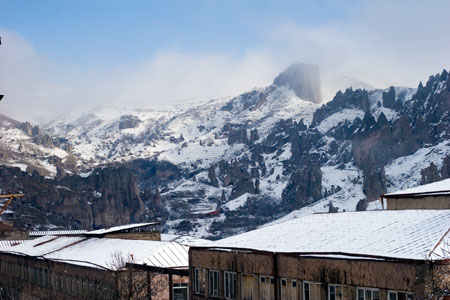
236	203
97	139
404	172
389	113
49	167
345	199
22	167
341	116
274	184
200	228
20	151
402	93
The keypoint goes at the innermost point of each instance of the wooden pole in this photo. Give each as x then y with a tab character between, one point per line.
130	283
170	287
149	286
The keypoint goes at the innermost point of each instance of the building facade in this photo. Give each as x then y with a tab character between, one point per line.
253	275
435	195
380	255
96	265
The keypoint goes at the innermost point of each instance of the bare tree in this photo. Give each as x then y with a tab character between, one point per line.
437	282
135	284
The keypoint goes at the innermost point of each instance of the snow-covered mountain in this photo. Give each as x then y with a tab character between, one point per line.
228	165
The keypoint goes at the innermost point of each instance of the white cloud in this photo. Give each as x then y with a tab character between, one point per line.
385	43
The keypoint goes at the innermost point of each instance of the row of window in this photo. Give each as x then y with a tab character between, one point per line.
64	283
251	286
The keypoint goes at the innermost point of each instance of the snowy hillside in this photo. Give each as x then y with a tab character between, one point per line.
183	136
229	165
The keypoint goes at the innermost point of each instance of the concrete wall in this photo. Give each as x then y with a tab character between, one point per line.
149	235
430	202
352	273
15	234
29	278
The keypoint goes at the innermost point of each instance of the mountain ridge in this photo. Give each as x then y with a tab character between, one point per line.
229	165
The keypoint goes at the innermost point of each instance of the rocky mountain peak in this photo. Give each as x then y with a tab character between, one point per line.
303	79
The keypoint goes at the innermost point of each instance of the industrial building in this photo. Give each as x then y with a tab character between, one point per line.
374	255
434	195
123	262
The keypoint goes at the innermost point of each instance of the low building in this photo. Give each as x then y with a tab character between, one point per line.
40	233
376	255
140	231
93	266
9	232
435	195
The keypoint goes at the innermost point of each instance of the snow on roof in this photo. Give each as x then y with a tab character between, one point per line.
169	237
185	240
120	228
57	232
173	255
10	243
407	234
436	188
87	251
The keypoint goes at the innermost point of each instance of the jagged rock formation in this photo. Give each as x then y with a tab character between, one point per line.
109	196
128	121
233	164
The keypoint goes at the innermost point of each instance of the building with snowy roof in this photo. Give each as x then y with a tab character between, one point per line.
38	233
434	195
9	232
96	265
372	255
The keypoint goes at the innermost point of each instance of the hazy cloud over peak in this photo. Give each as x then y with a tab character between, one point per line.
381	43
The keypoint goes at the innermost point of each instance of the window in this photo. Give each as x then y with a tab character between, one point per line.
267	288
200	281
367	294
180	291
398	295
337	292
230	285
311	290
214	283
288	289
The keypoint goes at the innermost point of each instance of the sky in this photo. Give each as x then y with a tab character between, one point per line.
59	57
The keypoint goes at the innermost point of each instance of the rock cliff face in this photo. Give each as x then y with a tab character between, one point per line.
109	196
232	164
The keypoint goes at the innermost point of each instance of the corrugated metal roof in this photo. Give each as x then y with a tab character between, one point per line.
173	255
57	232
184	240
403	234
101	252
120	228
10	243
432	189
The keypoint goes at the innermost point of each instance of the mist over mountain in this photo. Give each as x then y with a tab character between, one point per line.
303	79
224	166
